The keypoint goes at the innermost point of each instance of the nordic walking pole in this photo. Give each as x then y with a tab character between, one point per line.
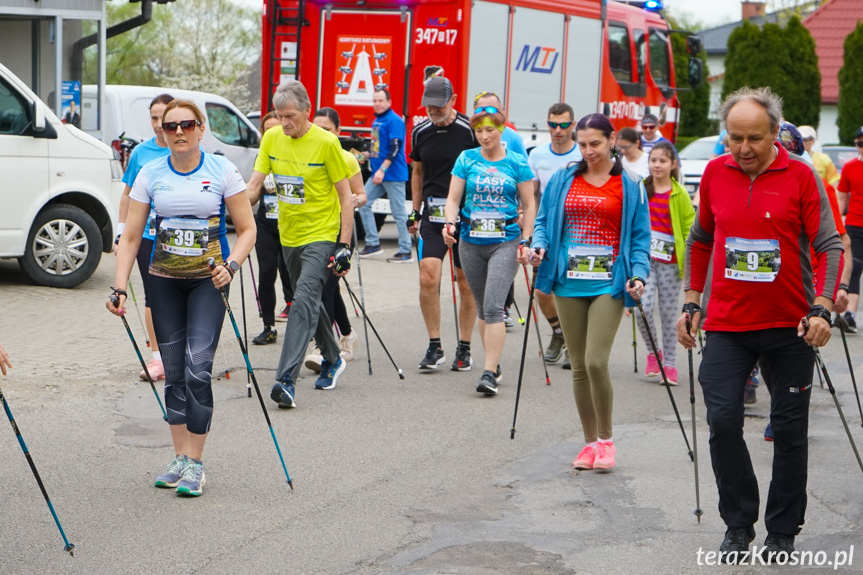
634	343
211	263
532	310
820	363
518	311
363	299
255	287
523	353
820	377
698	512
138	311
454	302
662	370
115	299
245	330
841	322
381	341
69	546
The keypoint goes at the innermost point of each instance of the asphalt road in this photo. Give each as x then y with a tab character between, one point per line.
415	476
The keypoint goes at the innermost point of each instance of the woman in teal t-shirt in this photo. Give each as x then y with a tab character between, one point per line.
488	182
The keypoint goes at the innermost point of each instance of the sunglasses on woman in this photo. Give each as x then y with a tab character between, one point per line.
487	110
186	125
561	125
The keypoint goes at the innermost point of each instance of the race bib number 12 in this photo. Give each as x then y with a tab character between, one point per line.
291	189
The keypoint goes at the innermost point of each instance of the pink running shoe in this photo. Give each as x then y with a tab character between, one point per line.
652	367
604	455
156	369
670	374
585	458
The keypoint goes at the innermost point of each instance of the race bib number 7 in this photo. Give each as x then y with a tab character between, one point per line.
752	260
589	262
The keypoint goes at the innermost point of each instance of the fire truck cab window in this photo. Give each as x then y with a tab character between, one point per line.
659	65
640	53
619	54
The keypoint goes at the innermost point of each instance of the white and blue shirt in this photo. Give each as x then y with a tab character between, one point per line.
544	162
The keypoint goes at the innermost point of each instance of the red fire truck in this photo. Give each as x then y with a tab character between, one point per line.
596	55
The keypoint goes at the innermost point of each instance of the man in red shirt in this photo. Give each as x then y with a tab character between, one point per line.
760	210
851	205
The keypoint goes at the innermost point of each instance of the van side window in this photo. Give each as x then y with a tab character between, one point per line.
619	54
14	117
227	126
659	65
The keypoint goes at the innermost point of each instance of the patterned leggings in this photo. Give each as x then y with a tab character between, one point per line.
664	286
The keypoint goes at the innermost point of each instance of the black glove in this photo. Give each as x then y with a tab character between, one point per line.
342	258
414	217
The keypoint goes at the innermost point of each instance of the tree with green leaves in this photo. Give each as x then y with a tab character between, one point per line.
783	59
850	106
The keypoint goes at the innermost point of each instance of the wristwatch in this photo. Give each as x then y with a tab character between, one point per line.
819	311
232	267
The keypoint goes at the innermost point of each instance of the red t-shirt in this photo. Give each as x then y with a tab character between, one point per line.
592	215
851	182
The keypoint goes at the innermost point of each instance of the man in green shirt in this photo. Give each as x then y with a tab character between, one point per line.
315	211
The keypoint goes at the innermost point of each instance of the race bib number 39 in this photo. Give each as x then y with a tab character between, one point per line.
436	210
184	237
291	189
183	246
589	262
752	260
661	246
487	225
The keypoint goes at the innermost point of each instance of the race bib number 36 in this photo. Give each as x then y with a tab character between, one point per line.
291	189
589	262
487	225
436	210
661	246
752	260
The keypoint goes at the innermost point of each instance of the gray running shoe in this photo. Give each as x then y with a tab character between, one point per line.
173	474
487	384
566	363
555	348
193	479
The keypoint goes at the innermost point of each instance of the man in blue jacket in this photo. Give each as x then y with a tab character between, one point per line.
389	174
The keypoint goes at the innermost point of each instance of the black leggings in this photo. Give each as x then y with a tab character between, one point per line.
145	252
269	250
335	305
855	233
188	316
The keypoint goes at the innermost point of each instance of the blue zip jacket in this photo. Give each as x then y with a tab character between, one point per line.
634	257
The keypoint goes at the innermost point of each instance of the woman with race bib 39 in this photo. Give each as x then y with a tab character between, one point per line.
491	180
671	217
190	191
592	245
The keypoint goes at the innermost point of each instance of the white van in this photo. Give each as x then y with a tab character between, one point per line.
228	133
58	210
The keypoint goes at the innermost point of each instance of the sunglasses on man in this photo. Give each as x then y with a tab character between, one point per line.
186	125
859	143
561	125
649	127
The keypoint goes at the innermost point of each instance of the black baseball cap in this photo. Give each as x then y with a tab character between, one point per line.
649	119
859	132
438	92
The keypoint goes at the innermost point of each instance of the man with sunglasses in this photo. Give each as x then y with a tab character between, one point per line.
435	146
544	161
490	103
850	198
650	135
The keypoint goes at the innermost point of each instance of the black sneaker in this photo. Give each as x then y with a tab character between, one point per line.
463	360
400	258
777	548
370	251
850	323
487	383
434	357
736	544
498	375
269	335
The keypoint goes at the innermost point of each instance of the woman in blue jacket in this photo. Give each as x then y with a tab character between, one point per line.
592	235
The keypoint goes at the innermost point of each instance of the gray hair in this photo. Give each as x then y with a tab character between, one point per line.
763	96
292	92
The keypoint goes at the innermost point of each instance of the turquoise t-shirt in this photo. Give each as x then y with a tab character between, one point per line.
491	196
142	154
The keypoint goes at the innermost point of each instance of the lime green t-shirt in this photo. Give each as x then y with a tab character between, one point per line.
305	170
351	161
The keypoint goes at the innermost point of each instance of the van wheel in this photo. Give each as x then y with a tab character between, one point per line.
64	247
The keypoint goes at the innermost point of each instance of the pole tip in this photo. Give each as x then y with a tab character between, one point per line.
691	457
401	375
165	417
512	433
70	549
521	320
291	483
249	391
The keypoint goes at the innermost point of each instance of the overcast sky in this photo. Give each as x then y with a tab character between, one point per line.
710	12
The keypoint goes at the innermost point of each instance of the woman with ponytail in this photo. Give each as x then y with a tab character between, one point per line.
592	245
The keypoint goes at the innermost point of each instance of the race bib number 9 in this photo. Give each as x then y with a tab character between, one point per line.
752	260
589	262
487	225
291	189
271	207
661	246
436	210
